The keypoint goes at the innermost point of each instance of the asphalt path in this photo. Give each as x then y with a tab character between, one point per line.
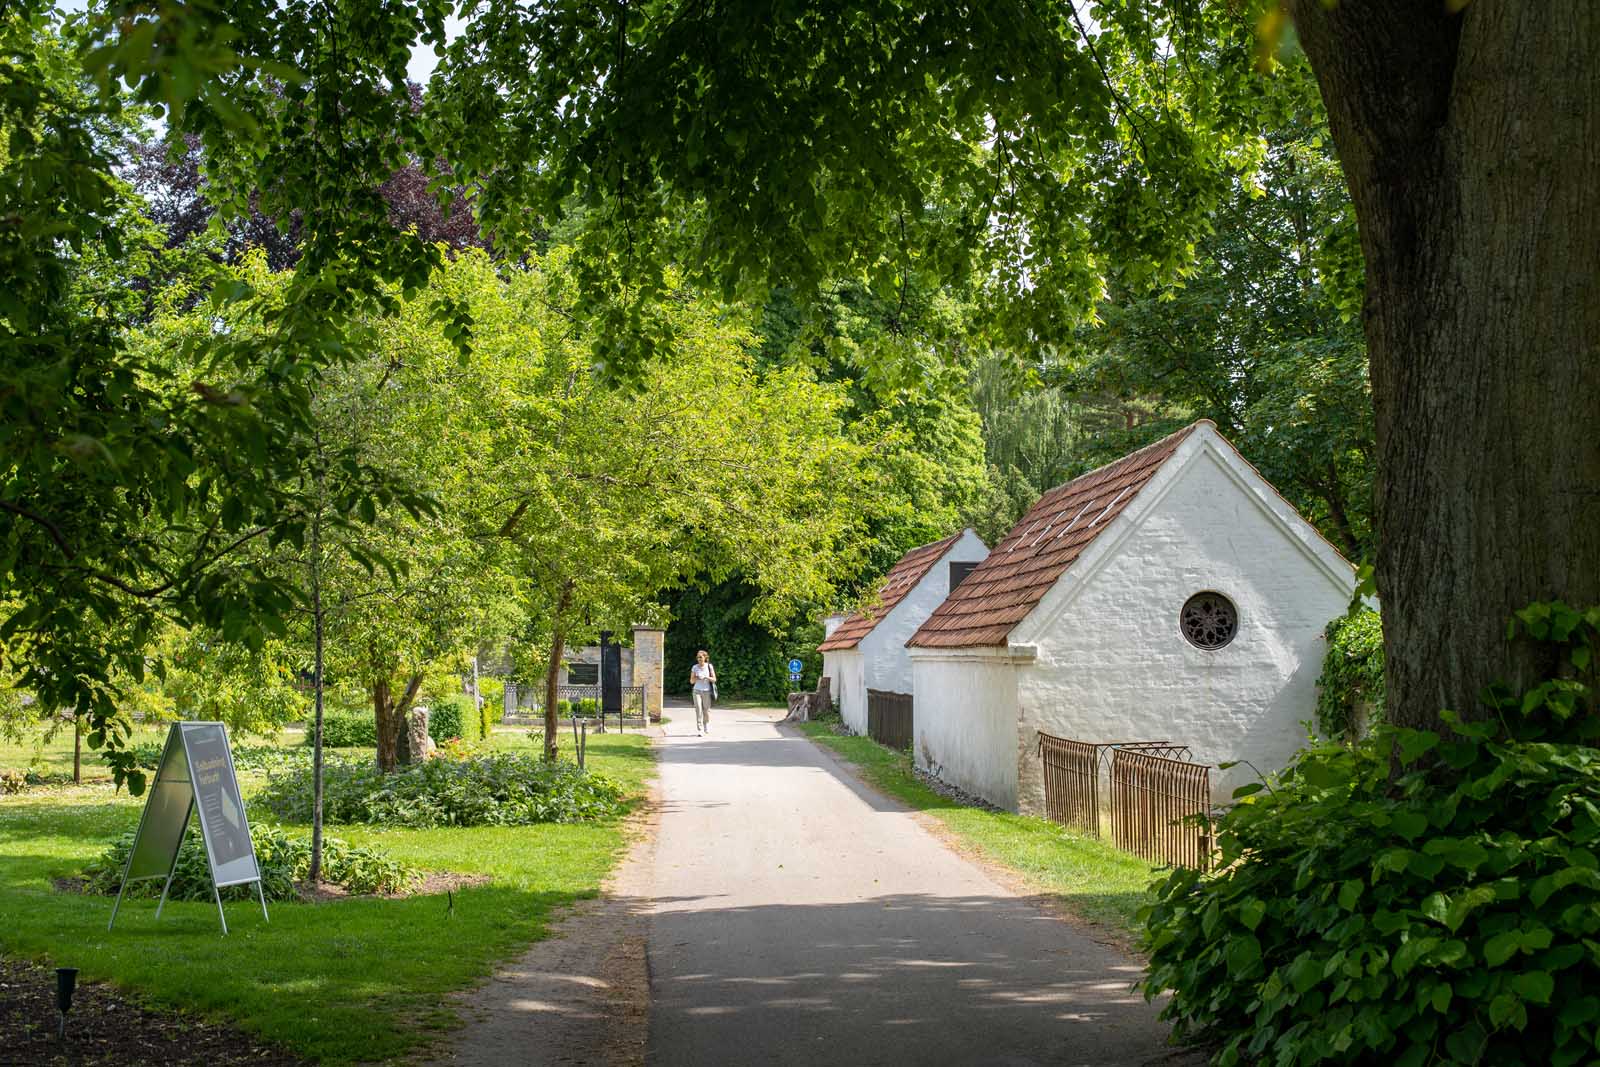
795	916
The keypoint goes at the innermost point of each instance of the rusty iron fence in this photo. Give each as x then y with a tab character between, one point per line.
889	718
1071	783
1149	789
1160	807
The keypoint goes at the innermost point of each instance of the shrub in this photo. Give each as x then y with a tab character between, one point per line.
563	709
147	754
346	729
283	861
489	715
498	789
1411	899
1350	690
262	758
453	716
587	708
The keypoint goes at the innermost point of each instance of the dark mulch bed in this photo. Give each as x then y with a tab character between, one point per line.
105	1027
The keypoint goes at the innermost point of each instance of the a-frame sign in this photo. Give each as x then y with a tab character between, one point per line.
195	774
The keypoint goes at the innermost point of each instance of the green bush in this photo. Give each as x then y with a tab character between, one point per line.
490	715
563	709
283	860
587	708
453	716
147	754
1412	899
499	789
1350	691
346	729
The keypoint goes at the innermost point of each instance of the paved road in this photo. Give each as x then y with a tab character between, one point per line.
800	918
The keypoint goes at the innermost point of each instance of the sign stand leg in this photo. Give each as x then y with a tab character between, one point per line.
184	832
262	893
215	895
163	901
118	904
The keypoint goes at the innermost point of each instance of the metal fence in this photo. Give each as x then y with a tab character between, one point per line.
1159	808
889	718
532	714
1153	794
1071	783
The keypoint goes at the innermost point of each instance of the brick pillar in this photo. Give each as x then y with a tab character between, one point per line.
649	665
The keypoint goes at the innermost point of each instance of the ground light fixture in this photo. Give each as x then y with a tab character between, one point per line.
66	982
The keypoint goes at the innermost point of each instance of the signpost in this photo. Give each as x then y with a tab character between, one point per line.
795	667
195	774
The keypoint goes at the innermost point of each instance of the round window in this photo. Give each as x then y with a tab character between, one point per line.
1209	620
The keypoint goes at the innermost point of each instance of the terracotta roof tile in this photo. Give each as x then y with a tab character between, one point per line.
1007	585
901	579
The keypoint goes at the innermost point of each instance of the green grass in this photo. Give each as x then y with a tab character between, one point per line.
1092	879
339	982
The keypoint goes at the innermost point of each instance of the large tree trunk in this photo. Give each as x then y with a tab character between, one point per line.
1470	144
389	715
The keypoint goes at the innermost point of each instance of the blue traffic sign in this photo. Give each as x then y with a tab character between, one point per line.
795	666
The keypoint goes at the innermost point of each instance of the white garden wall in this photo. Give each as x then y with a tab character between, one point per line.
1111	663
965	720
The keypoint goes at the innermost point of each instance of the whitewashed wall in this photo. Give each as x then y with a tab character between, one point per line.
846	669
888	666
1111	663
964	720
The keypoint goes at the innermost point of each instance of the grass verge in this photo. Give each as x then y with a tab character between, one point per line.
354	980
1093	880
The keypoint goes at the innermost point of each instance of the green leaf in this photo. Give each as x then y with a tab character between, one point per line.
1502	947
1243	955
1251	913
1534	986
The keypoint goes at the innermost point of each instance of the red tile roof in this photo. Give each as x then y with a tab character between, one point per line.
901	579
1005	587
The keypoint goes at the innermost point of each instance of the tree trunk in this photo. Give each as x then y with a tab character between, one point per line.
77	750
315	874
558	642
1469	142
387	729
552	673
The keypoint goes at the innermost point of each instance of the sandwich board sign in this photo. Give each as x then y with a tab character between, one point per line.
195	775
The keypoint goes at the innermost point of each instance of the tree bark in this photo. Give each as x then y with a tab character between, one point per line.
314	876
389	715
558	641
1470	145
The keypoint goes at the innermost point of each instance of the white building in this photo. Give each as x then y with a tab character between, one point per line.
867	648
1170	596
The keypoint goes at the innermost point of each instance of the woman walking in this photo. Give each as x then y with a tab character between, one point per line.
703	676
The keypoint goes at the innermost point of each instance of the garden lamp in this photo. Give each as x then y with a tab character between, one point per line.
66	982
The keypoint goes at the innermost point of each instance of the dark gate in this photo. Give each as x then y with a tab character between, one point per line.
889	718
610	676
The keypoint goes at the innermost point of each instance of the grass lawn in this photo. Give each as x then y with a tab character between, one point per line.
1093	880
345	981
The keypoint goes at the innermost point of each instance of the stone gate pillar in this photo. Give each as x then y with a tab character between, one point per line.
649	666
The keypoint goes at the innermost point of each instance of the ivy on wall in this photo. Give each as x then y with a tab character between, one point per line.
1350	690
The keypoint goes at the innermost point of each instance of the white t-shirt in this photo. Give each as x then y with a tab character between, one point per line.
702	674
